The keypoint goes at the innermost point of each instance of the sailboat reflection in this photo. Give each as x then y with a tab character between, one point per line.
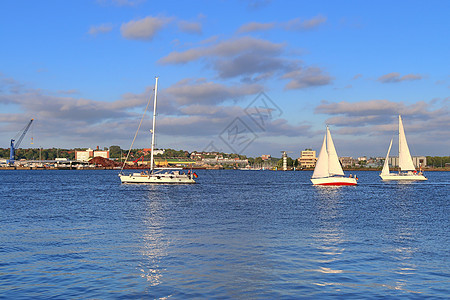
154	242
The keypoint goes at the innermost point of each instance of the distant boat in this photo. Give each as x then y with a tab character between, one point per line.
328	170
159	175
407	171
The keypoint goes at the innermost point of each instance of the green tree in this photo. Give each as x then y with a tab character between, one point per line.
115	151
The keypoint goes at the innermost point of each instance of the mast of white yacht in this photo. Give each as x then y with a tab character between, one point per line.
153	127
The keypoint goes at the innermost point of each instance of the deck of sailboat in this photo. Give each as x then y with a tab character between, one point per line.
403	176
174	177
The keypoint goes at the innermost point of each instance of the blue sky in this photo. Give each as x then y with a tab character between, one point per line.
254	77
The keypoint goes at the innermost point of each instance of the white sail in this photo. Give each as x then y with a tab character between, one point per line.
321	169
404	157
334	166
385	170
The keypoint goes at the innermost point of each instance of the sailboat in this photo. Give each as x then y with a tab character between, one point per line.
157	175
407	171
328	170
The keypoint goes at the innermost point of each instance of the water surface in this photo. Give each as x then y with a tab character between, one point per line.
236	234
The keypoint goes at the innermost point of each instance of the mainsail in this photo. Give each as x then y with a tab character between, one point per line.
385	170
334	166
404	157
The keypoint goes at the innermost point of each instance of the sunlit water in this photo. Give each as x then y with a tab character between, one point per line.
236	234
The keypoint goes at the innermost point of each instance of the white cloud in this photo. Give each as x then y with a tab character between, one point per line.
302	25
255	26
144	29
190	27
103	28
227	48
395	77
200	91
380	116
308	77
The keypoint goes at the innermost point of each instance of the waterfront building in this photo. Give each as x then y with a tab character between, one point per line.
86	155
347	161
265	157
101	153
147	151
307	158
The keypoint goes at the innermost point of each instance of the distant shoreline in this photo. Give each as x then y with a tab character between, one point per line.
128	168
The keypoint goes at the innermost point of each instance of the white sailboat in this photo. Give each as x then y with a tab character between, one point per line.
328	170
157	175
407	171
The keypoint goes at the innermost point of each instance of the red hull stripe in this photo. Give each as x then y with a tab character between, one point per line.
337	183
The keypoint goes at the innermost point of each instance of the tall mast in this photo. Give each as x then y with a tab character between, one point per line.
399	142
154	124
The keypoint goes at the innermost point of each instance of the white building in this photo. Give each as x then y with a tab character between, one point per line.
307	158
86	155
101	153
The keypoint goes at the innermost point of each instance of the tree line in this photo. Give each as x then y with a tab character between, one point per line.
438	161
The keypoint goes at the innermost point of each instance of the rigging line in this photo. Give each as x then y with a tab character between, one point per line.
140	123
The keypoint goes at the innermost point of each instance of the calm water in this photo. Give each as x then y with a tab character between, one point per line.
237	234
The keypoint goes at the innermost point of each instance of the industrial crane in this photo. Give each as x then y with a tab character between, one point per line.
15	146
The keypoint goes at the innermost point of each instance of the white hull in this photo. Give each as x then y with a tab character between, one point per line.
336	180
403	176
159	178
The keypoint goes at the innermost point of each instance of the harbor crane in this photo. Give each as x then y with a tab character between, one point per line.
16	145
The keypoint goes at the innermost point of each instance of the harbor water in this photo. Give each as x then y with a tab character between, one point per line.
235	234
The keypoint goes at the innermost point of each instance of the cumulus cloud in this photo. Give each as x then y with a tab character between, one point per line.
256	4
190	27
212	121
379	117
99	29
255	26
248	64
396	77
143	29
200	91
227	48
252	60
193	107
369	108
302	25
308	77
